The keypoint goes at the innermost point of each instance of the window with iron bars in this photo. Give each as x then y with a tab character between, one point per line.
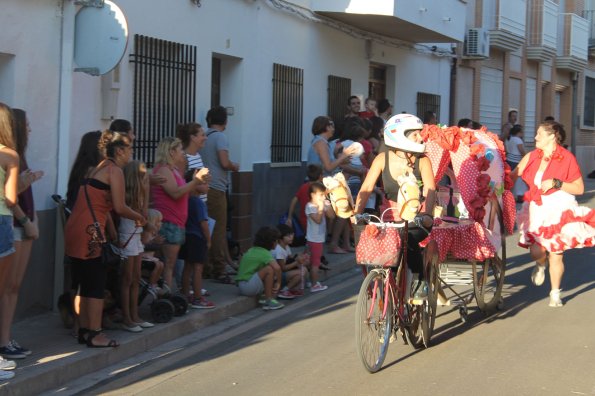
164	91
339	90
428	102
288	108
589	104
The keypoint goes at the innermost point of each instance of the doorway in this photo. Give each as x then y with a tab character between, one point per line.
377	81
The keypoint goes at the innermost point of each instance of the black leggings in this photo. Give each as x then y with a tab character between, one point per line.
90	275
415	259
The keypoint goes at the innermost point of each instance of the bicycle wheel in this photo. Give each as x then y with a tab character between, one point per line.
372	326
488	279
428	316
413	332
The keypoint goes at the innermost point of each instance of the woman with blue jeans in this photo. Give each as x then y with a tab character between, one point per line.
9	171
25	231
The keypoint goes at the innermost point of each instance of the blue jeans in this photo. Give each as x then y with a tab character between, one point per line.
6	236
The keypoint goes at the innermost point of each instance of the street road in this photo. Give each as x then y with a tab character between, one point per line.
527	348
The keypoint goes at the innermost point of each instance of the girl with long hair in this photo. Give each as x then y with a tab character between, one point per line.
9	174
135	178
25	232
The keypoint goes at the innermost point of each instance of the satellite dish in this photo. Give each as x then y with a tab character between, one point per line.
100	38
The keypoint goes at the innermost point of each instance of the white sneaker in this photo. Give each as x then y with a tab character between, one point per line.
538	274
7	364
6	375
555	300
318	287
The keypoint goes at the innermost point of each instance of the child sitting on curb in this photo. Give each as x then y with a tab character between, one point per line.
258	270
152	240
293	267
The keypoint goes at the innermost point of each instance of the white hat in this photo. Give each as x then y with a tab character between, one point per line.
395	129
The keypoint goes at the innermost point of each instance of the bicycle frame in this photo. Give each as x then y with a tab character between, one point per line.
395	284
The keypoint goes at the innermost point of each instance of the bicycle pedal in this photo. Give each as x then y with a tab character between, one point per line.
416	301
392	339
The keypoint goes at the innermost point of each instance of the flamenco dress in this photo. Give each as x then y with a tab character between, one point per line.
554	220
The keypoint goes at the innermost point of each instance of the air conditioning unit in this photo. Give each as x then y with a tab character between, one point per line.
477	44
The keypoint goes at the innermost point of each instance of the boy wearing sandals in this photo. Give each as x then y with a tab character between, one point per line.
258	271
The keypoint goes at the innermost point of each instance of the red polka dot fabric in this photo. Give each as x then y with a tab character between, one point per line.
464	241
439	158
378	246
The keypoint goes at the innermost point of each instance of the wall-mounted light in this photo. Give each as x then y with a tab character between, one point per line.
423	9
196	2
446	19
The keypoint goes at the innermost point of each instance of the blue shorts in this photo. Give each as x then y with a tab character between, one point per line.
6	236
172	233
194	250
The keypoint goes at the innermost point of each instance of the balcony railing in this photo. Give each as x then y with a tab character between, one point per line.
542	32
573	42
589	15
505	20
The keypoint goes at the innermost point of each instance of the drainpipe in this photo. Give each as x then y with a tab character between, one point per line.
453	88
63	128
575	122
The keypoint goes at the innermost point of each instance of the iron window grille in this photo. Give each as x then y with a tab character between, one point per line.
288	105
428	102
164	91
339	90
589	112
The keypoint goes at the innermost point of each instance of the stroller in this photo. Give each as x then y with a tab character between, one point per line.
163	308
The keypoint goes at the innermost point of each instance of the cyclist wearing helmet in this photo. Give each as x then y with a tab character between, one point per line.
404	156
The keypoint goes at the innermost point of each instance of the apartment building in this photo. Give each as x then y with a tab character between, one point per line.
536	56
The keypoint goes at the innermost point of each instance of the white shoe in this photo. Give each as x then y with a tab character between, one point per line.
538	274
145	325
555	300
7	364
318	287
133	329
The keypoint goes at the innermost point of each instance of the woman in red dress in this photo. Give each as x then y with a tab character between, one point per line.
550	220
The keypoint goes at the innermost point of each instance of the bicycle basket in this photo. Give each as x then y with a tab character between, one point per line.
377	245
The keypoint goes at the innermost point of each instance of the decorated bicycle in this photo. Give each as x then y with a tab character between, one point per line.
467	231
470	236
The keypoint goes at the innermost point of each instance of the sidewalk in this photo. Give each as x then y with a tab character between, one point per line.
57	357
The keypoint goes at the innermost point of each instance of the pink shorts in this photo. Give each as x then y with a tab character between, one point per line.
315	253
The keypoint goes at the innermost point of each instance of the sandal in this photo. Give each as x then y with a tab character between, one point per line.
95	333
81	335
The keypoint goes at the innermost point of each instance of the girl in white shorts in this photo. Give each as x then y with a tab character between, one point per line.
136	178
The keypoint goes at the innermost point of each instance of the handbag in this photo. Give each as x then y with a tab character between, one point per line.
110	254
378	246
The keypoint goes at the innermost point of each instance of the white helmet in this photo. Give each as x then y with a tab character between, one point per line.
395	129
